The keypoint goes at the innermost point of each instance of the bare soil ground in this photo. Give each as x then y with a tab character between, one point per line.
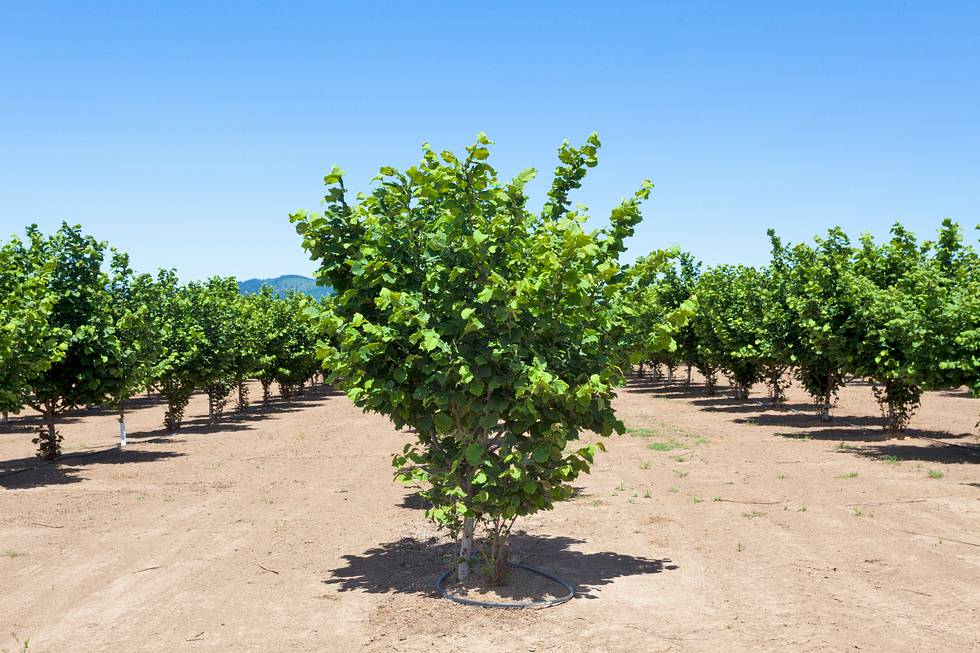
741	529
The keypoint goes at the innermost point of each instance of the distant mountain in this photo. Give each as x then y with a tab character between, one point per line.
281	285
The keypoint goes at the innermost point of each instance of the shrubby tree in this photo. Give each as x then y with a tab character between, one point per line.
820	329
485	327
180	338
287	350
679	283
29	342
730	329
227	354
903	292
83	314
959	265
134	302
647	315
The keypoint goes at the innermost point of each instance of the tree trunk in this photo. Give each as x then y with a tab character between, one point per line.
688	382
48	441
52	434
825	409
242	396
6	418
465	548
210	409
122	425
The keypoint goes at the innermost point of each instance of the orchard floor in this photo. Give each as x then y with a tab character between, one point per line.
283	531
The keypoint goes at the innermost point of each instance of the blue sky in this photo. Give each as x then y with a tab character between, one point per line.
184	133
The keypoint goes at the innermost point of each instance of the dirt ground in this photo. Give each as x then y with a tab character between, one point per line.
741	529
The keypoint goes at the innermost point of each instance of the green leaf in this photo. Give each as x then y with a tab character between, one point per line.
442	421
473	453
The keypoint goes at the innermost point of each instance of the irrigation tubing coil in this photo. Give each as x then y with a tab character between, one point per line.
570	592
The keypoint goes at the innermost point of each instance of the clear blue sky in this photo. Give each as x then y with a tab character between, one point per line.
184	133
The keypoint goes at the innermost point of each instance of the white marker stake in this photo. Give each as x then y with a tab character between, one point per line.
122	433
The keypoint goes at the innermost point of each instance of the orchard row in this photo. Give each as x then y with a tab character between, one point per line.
903	314
499	334
81	329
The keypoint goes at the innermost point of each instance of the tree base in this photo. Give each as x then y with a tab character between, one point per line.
528	588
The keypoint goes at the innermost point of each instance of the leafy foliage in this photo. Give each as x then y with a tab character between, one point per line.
287	339
29	342
93	365
731	334
485	327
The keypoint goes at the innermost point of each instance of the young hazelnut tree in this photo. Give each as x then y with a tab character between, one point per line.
483	326
29	343
730	329
84	317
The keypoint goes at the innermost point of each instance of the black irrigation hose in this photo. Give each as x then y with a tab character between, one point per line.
511	604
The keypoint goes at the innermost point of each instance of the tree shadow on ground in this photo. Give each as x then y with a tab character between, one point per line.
308	395
675	390
805	421
412	566
727	404
932	453
231	421
848	434
26	473
962	392
31	422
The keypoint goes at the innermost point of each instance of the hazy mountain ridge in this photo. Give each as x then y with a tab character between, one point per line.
285	283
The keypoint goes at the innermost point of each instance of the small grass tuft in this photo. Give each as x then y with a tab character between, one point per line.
679	459
753	515
740	547
935	473
644	464
665	445
891	460
696	499
848	475
640	432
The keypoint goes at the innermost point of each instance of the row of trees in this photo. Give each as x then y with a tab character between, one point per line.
499	334
81	329
903	314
